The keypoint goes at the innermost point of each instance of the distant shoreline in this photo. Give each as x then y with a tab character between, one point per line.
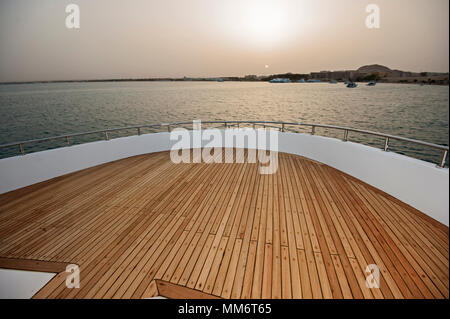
201	80
364	74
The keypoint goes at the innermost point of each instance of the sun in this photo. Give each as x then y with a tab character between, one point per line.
264	20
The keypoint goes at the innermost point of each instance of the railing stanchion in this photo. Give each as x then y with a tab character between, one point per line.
313	130
254	126
106	136
68	140
386	144
21	149
282	127
168	128
345	135
139	131
444	157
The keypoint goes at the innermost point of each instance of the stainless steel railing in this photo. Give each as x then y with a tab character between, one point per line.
282	126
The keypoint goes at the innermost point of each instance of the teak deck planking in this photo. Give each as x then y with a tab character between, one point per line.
144	224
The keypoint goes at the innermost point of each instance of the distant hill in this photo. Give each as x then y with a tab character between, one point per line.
373	68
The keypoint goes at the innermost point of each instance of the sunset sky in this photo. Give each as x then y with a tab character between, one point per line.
175	38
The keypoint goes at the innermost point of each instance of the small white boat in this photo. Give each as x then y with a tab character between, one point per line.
280	80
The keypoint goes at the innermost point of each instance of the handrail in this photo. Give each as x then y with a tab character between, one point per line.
230	123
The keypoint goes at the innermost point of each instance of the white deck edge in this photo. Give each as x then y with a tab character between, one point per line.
417	183
22	284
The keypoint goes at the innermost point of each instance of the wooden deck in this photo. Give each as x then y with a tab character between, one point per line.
193	230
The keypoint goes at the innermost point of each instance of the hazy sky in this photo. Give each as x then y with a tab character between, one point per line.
153	38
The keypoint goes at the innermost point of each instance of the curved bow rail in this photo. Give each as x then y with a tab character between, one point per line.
282	126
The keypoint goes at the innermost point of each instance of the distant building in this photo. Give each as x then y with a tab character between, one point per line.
334	75
322	75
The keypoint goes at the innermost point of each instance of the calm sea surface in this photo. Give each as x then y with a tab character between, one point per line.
30	111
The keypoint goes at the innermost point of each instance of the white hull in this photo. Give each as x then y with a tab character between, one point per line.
417	183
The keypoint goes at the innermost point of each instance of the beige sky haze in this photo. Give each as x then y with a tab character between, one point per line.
175	38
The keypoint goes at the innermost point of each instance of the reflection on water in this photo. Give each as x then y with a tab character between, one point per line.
30	111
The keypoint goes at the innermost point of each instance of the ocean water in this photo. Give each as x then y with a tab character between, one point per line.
31	111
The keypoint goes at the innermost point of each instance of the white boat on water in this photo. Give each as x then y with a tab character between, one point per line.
122	210
280	80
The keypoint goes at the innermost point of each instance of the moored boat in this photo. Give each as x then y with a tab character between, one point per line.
280	80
